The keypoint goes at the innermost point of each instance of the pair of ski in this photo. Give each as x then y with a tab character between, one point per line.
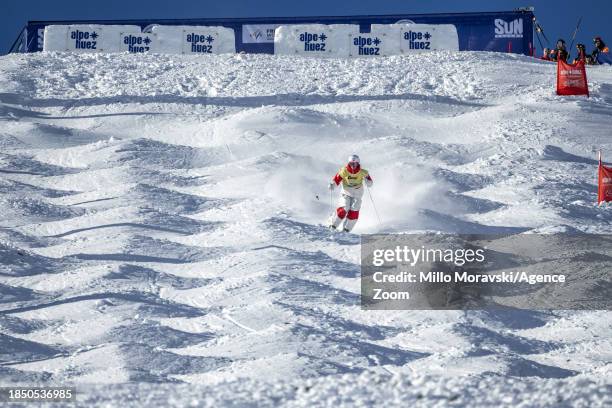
329	224
334	229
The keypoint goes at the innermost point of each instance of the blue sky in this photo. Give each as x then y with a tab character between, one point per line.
557	17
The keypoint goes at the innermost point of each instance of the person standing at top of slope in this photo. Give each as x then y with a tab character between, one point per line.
352	177
600	46
562	54
581	53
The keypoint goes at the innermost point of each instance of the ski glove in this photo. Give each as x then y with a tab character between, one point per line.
369	182
331	186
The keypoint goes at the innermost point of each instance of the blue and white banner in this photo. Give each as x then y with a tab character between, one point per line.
417	38
370	45
85	40
258	33
138	42
396	39
87	37
320	40
508	29
161	39
200	42
346	40
194	40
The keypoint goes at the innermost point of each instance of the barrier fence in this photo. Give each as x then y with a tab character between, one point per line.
358	36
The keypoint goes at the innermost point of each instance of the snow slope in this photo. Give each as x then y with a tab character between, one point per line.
159	222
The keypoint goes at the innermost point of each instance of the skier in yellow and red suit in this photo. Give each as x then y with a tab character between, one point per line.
352	177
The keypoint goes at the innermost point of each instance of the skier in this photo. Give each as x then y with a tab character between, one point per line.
352	177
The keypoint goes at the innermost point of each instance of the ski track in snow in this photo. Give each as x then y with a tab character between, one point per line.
158	219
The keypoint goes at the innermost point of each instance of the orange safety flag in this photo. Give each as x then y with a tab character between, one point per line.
571	79
604	191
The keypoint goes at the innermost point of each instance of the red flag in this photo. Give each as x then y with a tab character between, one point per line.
604	191
571	79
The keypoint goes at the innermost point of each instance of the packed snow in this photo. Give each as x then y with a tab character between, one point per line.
162	221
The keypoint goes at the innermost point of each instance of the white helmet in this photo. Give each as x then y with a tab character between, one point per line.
353	161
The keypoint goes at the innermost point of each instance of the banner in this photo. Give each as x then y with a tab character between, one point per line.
321	40
348	40
416	38
258	33
571	79
604	191
137	43
92	38
396	39
200	40
371	44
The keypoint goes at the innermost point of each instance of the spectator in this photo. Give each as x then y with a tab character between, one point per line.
600	47
552	55
562	54
581	53
545	54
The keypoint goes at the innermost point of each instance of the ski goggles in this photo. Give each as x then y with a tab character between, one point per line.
353	164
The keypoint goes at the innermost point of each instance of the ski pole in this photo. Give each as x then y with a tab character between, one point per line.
374	205
538	38
330	201
575	32
541	30
537	30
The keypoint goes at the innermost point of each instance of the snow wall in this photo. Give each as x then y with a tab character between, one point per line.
87	37
122	38
510	31
336	40
348	41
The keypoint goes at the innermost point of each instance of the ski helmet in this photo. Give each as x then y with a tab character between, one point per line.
353	160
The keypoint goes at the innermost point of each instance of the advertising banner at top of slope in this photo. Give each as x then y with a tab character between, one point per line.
344	40
160	39
314	39
258	33
90	37
397	39
506	31
194	39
